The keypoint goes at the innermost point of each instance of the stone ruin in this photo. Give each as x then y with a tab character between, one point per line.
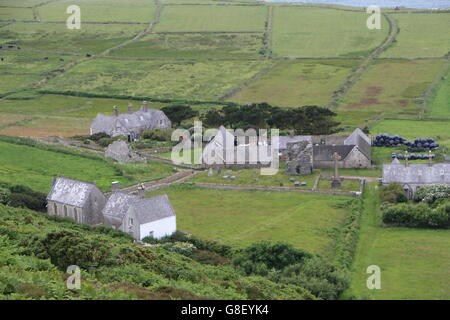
121	152
299	157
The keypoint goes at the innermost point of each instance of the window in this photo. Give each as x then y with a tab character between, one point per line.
130	222
65	211
76	214
55	209
161	121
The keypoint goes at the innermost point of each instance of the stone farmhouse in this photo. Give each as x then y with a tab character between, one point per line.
414	175
140	216
305	153
136	215
130	124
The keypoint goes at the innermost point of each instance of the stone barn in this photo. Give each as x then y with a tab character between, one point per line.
75	199
130	124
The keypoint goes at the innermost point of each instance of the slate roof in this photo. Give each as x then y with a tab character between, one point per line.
147	209
417	173
118	204
152	209
145	118
325	152
71	192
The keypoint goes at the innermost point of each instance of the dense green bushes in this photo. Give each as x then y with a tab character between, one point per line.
418	215
393	193
431	193
16	195
35	249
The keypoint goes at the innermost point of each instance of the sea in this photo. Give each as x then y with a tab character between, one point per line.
413	4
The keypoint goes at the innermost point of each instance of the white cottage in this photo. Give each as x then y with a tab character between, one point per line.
139	216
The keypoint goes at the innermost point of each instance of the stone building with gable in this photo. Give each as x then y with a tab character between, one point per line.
75	199
130	124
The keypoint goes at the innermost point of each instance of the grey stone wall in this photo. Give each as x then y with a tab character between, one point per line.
299	158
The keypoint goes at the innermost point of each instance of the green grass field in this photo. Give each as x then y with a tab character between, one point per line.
241	217
92	39
415	40
194	46
392	86
211	18
439	104
297	83
202	80
414	263
37	168
314	32
101	10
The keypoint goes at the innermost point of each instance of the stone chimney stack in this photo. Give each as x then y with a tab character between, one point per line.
115	111
115	186
141	191
130	108
145	106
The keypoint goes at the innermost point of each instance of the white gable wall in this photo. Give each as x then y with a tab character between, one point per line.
160	228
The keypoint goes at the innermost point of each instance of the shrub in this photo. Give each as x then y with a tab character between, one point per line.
432	192
393	193
419	215
261	257
4	195
104	142
22	200
209	257
157	134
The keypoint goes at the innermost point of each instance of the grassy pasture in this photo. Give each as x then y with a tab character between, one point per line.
194	46
21	3
421	35
90	38
101	10
314	32
415	263
16	13
391	87
241	217
211	18
161	79
35	168
297	83
439	104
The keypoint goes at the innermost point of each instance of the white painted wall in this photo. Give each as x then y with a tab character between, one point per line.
160	228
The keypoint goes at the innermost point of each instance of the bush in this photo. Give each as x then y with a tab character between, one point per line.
419	215
261	257
432	192
22	200
393	193
157	135
104	142
4	195
209	257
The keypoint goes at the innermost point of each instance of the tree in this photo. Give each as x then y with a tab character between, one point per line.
212	118
178	113
313	120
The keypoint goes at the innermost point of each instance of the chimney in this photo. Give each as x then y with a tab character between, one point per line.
130	108
115	186
145	106
141	191
115	111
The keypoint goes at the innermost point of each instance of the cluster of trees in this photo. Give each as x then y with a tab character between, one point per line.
312	120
